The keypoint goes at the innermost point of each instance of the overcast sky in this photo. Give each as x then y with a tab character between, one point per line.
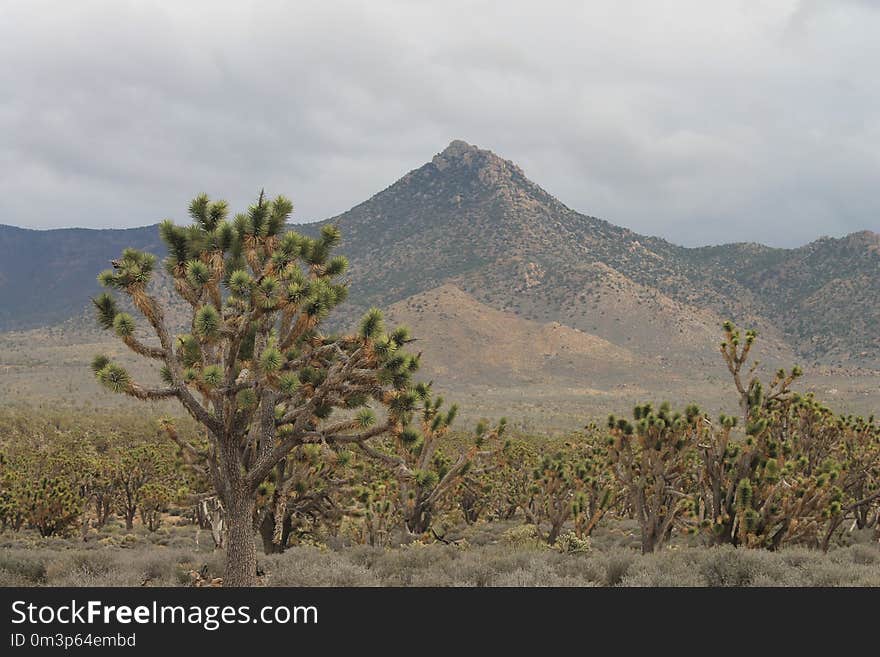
701	122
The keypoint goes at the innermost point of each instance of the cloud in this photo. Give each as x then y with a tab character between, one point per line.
700	122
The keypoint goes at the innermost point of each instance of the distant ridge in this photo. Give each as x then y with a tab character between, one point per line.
470	221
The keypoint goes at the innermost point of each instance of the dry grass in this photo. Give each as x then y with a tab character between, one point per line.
541	390
489	559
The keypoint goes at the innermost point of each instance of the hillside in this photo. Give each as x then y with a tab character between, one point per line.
47	276
512	349
505	285
474	219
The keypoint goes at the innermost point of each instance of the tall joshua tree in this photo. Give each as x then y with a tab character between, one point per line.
651	459
254	369
752	397
426	474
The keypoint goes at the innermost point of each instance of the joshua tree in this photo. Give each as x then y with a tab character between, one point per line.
510	486
752	396
254	367
571	484
597	492
861	445
760	491
374	507
155	497
425	473
43	488
303	489
99	488
789	477
52	505
652	460
139	474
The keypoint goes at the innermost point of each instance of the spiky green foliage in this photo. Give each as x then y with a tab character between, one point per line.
256	370
652	460
197	274
106	310
790	475
206	323
123	324
427	473
212	375
146	481
271	360
372	324
288	383
133	270
99	362
366	418
570	484
240	282
114	377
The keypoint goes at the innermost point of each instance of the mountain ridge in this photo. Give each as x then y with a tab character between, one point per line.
471	219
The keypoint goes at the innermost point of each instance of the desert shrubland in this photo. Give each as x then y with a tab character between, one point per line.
326	446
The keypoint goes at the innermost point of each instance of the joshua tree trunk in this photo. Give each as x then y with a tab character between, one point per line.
418	520
267	533
656	528
469	505
648	540
210	514
129	519
241	551
85	524
835	523
104	511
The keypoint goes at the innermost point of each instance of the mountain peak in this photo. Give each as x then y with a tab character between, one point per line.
867	237
458	151
863	239
461	153
457	148
483	162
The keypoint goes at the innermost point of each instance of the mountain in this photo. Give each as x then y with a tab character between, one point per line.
473	219
469	230
47	276
511	349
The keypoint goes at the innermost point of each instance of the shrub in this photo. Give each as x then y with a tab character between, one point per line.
522	536
571	543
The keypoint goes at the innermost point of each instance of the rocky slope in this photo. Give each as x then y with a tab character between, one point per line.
469	230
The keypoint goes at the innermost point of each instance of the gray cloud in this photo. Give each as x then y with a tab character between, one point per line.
700	122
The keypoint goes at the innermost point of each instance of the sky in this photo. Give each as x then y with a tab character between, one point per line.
701	122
